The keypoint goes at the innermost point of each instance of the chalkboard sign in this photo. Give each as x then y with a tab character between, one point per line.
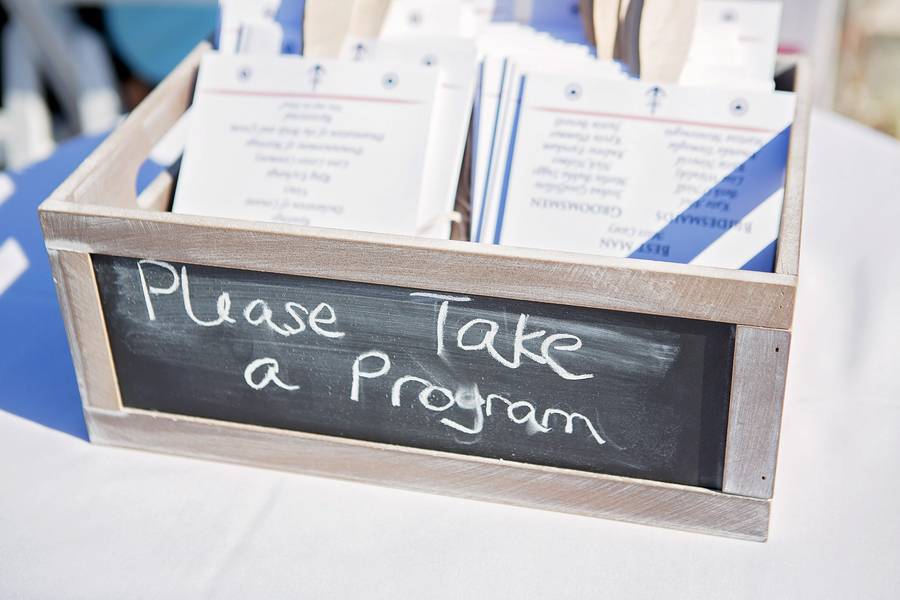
602	391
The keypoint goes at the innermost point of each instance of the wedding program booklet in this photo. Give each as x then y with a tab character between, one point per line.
455	61
324	143
634	169
566	152
509	49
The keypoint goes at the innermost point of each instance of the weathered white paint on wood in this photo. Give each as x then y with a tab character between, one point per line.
754	419
548	488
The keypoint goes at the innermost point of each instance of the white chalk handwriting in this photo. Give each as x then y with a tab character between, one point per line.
530	345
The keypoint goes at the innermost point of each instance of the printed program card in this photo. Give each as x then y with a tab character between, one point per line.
506	47
455	61
633	169
735	45
496	111
324	143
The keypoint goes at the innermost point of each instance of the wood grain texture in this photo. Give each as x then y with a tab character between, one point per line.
754	420
158	194
83	317
787	261
724	295
658	504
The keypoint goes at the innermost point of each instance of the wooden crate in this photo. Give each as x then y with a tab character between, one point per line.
96	212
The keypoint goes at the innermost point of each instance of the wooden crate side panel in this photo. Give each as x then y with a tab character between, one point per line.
547	488
83	316
62	296
787	259
754	419
764	300
158	193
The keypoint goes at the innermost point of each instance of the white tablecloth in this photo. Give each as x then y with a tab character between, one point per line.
79	521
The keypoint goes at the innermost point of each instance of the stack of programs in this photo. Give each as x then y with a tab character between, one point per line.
498	115
372	139
583	160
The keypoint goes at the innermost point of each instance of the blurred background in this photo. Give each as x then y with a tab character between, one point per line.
72	68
